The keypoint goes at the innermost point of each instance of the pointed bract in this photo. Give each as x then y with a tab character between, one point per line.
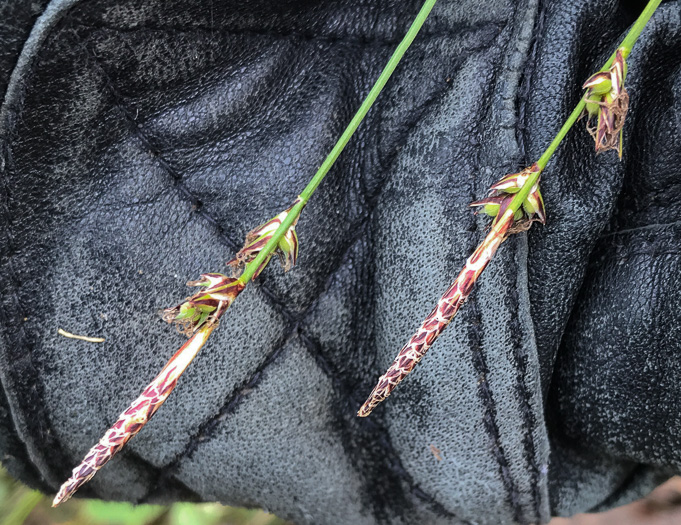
491	205
599	84
534	205
513	182
206	306
502	193
257	239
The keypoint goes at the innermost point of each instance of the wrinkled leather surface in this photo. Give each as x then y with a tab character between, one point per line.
140	142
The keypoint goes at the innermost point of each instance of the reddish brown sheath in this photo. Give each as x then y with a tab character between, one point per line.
441	316
136	416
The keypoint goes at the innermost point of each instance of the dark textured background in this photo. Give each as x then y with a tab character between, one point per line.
140	142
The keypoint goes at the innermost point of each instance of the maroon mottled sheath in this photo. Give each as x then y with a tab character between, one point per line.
198	316
135	417
441	315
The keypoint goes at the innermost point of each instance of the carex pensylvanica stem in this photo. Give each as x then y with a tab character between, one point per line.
200	314
515	202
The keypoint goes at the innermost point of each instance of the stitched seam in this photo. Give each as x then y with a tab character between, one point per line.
231	404
187	491
392	458
315	349
32	397
524	396
206	430
522	392
523	96
183	188
344	39
479	362
489	419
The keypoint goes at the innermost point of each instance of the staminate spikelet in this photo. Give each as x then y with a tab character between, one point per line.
198	316
506	221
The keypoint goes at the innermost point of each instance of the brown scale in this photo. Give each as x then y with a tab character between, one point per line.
135	417
440	317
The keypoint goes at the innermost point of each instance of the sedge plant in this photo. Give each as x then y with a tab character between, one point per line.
514	202
200	314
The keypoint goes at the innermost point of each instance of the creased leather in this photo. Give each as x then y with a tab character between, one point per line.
140	142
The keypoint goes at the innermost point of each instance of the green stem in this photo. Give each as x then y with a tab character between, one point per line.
626	46
305	195
635	31
574	117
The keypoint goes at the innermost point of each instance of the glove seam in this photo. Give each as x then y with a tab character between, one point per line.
522	393
296	34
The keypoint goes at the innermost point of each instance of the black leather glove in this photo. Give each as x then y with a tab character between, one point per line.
140	142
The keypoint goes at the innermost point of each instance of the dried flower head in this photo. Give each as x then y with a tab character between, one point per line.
205	306
607	101
257	239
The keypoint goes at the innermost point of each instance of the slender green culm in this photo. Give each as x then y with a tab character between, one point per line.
626	47
294	212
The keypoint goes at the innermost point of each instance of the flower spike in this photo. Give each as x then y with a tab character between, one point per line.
440	317
198	316
257	239
506	221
